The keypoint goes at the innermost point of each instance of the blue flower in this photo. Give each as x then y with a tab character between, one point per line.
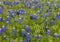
0	31
14	32
36	6
41	10
55	18
55	35
58	16
34	17
8	18
23	32
4	37
7	22
10	12
13	16
47	15
28	36
15	3
1	19
47	33
51	22
1	10
27	28
47	28
35	1
27	5
3	29
20	11
31	17
20	20
38	37
6	3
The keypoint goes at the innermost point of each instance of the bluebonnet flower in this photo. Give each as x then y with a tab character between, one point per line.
27	28
14	32
7	22
3	29
58	16
47	33
54	18
27	5
35	1
20	20
1	19
55	35
4	37
10	12
15	3
1	10
0	31
6	3
51	22
27	37
40	11
36	6
23	32
38	37
47	28
8	18
47	15
12	15
42	4
31	17
20	11
34	17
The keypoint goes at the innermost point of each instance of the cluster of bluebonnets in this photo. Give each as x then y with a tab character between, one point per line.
21	21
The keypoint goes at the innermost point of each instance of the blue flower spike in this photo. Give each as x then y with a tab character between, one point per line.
6	3
55	35
58	16
4	37
47	33
13	32
7	22
23	33
27	28
39	37
1	10
1	19
34	17
15	3
51	22
27	5
0	31
8	18
20	11
3	29
27	37
20	20
47	28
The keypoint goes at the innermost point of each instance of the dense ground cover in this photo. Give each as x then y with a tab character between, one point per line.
30	21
